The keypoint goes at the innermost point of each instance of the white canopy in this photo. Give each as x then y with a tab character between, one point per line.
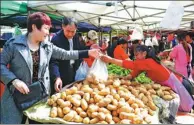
117	14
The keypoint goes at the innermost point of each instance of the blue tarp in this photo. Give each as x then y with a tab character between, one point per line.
22	20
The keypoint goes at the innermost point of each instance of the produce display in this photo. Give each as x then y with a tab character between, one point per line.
117	70
120	71
108	102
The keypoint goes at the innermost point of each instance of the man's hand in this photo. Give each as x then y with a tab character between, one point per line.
21	86
94	53
58	84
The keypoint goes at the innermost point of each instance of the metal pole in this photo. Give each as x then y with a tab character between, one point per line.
110	37
99	29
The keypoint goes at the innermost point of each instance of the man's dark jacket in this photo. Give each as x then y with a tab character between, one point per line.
62	68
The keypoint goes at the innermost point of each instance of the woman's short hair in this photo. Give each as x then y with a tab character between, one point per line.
39	19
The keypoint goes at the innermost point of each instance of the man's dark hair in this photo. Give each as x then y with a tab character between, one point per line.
69	21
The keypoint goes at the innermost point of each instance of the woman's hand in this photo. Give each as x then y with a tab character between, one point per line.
105	58
21	86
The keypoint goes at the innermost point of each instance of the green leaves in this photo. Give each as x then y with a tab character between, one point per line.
117	70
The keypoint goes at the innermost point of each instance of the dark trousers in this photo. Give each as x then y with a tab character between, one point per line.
188	87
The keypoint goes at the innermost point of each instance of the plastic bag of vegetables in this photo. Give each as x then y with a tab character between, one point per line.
82	71
98	72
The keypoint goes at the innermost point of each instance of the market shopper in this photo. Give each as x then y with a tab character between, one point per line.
63	71
182	56
92	38
28	55
148	62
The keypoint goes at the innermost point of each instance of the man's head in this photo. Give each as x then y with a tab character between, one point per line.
69	27
92	37
39	24
188	38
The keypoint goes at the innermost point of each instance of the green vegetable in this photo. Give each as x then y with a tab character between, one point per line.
117	70
141	78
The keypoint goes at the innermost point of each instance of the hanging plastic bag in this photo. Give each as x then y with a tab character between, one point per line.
82	71
173	16
98	72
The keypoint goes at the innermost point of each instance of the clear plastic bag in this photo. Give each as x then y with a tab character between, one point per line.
98	72
82	71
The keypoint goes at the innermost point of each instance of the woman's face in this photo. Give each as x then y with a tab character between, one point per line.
140	55
42	34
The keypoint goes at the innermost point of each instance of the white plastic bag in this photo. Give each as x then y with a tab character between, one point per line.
173	16
82	71
155	41
98	72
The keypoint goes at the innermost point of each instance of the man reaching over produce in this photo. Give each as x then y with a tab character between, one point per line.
148	62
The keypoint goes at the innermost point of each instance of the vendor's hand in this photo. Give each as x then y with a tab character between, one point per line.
94	53
105	58
21	86
58	84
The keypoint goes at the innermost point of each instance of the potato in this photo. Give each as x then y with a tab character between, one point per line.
83	114
144	99
79	110
75	102
116	83
78	85
111	107
137	120
156	86
63	95
109	82
87	90
135	92
116	119
121	104
124	115
94	114
86	120
62	103
97	98
53	113
152	105
102	122
86	97
94	121
137	111
104	110
108	118
140	96
101	116
68	117
152	91
115	102
77	119
126	109
104	102
93	108
167	97
166	92
104	92
165	88
84	104
139	103
54	97
134	106
131	100
148	119
114	113
160	92
101	86
125	121
55	104
77	96
117	97
142	90
66	110
151	112
148	86
91	101
50	102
